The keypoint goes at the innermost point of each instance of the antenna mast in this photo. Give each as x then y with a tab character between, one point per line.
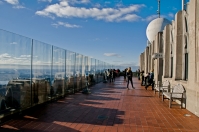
158	11
183	5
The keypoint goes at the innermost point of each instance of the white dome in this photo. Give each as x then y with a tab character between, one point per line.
155	26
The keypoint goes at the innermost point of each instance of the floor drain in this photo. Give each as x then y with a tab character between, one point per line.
102	117
187	115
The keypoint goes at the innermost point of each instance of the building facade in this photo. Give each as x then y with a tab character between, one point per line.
179	44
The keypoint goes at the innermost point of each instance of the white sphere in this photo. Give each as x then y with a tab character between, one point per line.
155	26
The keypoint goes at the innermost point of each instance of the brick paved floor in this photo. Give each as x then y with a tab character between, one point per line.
109	108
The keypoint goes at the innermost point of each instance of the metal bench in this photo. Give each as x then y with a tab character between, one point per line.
176	93
159	87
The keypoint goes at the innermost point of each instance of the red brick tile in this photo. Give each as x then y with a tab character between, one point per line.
110	107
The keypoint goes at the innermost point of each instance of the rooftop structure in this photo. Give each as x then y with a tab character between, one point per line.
155	26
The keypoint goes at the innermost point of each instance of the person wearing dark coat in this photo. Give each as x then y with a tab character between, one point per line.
129	77
150	81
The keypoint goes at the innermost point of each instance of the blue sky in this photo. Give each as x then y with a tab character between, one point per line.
113	31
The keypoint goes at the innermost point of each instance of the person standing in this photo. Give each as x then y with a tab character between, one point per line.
150	82
114	74
129	77
146	79
138	74
142	77
108	74
125	70
111	75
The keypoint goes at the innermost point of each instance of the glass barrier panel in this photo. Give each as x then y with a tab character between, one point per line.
15	64
70	67
42	78
78	76
101	71
84	71
97	71
58	71
92	73
88	70
33	72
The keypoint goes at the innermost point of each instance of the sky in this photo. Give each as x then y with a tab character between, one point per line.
113	31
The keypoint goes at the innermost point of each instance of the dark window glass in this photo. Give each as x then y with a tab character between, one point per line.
186	28
171	67
186	66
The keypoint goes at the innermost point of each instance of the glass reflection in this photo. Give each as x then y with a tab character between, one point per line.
15	61
92	72
70	67
58	72
33	72
78	72
42	77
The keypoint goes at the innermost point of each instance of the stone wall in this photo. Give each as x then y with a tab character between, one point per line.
178	40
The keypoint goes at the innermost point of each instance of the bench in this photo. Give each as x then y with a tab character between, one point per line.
176	93
159	87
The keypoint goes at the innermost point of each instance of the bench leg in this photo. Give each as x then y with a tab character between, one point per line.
185	103
181	103
162	97
161	92
170	102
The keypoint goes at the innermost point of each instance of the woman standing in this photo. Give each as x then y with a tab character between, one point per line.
129	77
125	70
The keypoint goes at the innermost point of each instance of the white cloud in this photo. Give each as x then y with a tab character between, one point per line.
119	5
83	1
111	54
63	9
77	1
151	7
130	64
65	25
171	15
18	7
152	17
149	18
45	1
97	5
5	55
13	2
13	43
24	56
107	2
174	8
129	18
6	58
19	58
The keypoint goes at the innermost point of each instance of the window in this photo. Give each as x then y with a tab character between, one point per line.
186	27
186	67
171	67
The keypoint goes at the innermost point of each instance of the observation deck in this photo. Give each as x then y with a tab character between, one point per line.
109	108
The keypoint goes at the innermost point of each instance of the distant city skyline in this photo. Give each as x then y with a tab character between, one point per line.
110	31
